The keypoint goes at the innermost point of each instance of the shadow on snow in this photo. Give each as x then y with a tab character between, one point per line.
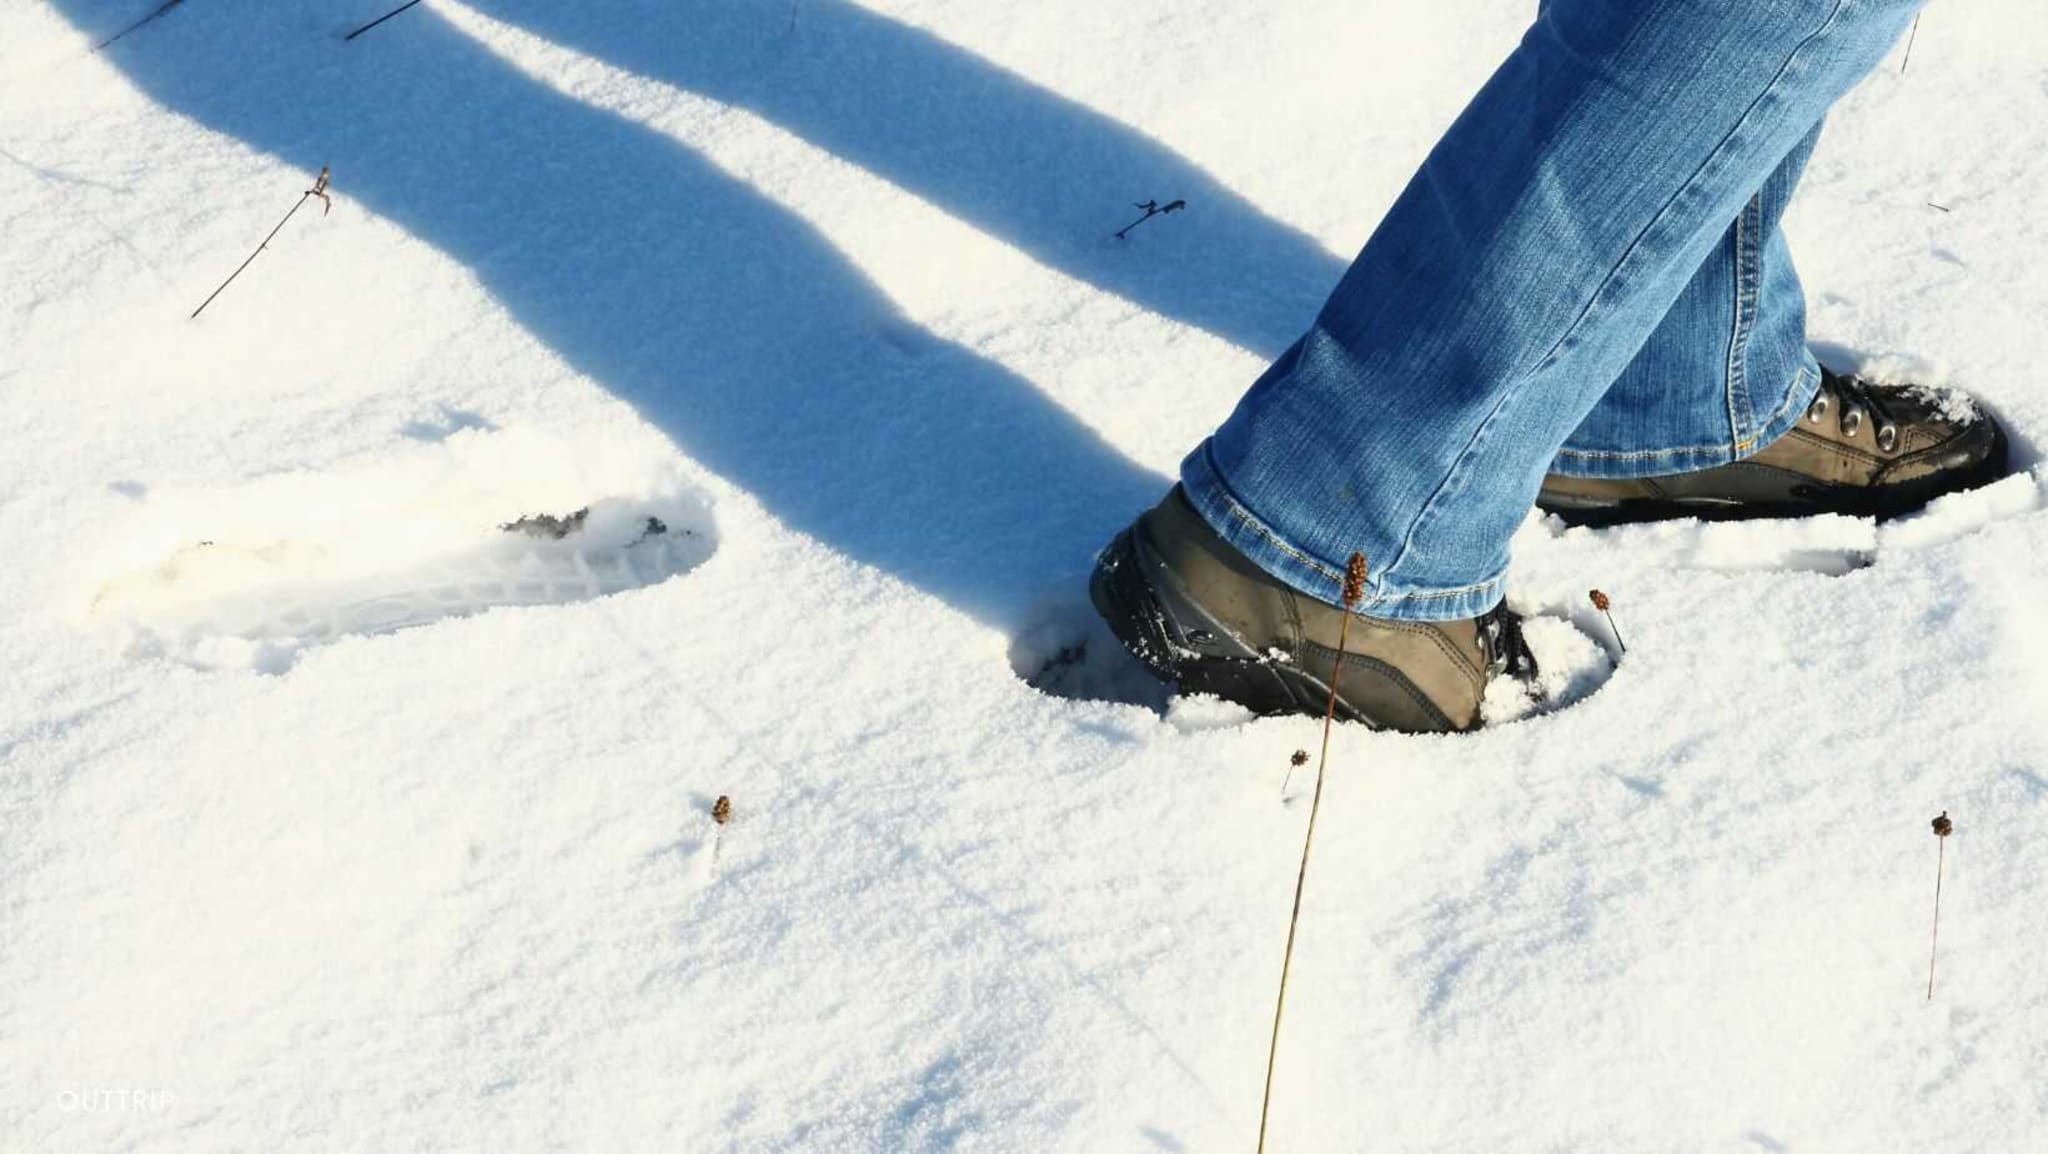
728	321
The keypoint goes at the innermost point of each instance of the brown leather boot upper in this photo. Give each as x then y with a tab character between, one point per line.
1861	448
1198	611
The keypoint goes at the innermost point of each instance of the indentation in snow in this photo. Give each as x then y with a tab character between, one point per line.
1950	517
1569	666
252	576
1066	650
1830	545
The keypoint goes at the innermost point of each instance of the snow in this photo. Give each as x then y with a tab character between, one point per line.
334	817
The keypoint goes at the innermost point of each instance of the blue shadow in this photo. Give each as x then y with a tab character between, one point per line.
1051	177
728	321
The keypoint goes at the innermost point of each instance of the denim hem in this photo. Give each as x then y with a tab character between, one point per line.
1211	497
1617	465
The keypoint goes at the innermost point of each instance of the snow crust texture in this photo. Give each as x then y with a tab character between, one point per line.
335	815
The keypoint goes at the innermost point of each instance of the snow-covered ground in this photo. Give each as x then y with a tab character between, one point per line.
334	817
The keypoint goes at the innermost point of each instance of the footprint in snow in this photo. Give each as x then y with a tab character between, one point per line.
254	577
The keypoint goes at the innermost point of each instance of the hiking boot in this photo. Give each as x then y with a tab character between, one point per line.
1197	611
1862	449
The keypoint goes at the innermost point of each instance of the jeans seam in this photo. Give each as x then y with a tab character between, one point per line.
1691	182
1746	292
1441	594
1273	539
1265	532
1628	258
1795	396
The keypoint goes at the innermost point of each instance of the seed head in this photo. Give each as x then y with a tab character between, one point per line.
319	189
721	810
1354	580
1299	759
1599	600
1943	826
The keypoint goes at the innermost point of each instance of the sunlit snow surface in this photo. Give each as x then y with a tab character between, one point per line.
334	816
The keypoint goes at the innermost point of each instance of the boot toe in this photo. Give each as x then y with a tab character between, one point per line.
1973	452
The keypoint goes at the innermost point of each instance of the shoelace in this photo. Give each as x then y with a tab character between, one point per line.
1500	630
1856	397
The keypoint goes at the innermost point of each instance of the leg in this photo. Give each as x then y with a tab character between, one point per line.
1544	240
1724	413
1727	369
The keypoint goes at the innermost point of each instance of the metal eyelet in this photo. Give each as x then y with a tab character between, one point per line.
1852	421
1818	409
1887	438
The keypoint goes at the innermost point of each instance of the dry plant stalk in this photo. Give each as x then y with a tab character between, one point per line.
1942	828
1354	592
380	19
156	12
721	814
1605	606
1294	762
1150	208
319	189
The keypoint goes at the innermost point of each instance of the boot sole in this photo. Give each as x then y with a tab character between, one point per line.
1881	504
1154	618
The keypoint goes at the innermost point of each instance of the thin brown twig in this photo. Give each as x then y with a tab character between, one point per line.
319	189
1354	590
1294	762
1910	37
1942	828
721	814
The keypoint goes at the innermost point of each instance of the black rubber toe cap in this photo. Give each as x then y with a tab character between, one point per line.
1976	455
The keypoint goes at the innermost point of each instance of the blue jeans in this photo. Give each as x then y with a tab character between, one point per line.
1559	287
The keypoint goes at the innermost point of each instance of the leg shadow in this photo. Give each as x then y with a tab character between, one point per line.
731	323
1052	177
